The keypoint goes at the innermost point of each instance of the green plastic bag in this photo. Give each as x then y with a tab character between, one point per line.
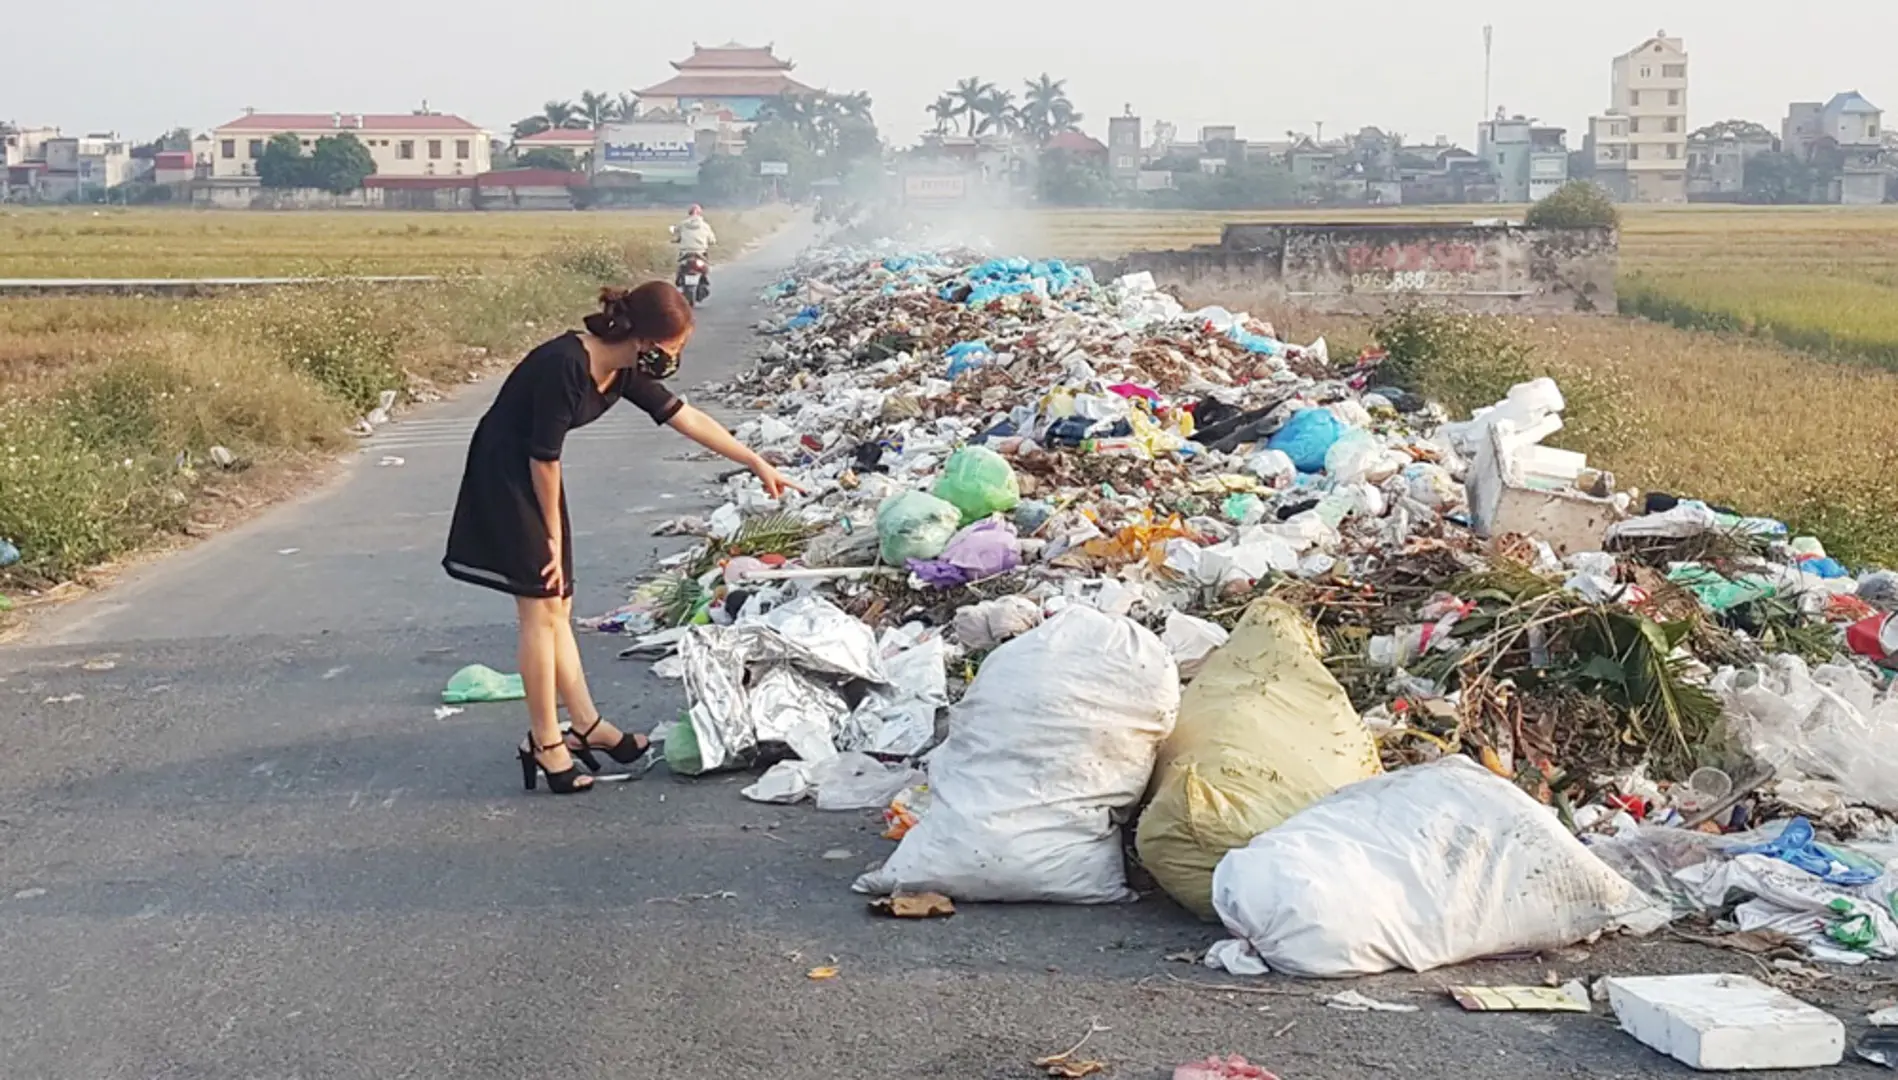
979	482
682	749
476	684
915	525
1719	593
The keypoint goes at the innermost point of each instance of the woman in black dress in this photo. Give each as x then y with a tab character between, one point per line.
510	531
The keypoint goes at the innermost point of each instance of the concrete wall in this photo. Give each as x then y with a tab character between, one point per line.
1367	269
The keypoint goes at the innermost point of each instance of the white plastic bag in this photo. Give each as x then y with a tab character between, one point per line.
1191	640
841	782
1422	868
989	623
1056	735
1826	724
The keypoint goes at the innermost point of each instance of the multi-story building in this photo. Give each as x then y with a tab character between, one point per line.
1717	157
1529	160
1853	128
21	145
1639	146
79	167
406	144
733	79
1125	156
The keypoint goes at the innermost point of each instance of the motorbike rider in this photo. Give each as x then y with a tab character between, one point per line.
695	237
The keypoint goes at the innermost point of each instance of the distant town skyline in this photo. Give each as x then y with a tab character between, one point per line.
140	69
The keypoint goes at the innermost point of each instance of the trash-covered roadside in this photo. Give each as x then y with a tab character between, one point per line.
1040	505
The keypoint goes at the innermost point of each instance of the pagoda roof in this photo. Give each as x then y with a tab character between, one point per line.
754	84
732	56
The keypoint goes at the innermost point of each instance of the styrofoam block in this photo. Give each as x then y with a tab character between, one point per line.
1726	1022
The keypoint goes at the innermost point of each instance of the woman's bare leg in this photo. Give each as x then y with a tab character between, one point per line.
571	678
541	621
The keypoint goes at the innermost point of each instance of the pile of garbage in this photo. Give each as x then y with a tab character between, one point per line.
1073	554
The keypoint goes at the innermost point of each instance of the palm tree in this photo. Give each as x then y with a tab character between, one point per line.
998	114
597	108
945	112
1043	98
627	107
560	114
969	95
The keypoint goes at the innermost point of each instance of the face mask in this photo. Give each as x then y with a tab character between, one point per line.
656	363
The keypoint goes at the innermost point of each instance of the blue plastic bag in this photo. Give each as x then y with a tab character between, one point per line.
964	356
1307	437
1797	846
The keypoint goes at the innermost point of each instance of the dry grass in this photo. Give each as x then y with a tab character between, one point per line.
109	406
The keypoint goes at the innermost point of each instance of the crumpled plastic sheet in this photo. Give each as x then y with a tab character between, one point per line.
805	636
898	718
1824	724
787	706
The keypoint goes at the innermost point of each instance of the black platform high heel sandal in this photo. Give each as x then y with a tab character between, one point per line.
628	751
564	782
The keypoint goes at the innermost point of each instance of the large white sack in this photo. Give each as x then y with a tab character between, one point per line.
1057	735
1421	868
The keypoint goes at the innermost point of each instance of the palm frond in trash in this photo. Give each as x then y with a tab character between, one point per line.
778	533
1629	659
675	597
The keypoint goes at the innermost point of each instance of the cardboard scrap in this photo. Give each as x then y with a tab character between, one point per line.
926	905
1070	1068
1517	999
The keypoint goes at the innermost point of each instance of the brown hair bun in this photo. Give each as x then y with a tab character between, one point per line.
655	311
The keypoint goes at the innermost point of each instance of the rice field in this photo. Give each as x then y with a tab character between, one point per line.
180	243
1818	279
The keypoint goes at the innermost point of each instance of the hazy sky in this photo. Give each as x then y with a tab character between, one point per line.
1415	67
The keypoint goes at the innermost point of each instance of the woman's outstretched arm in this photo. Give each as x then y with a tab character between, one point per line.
711	434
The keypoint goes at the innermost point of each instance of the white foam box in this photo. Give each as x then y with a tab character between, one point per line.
1726	1022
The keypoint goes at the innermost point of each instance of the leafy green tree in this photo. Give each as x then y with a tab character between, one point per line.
283	164
1777	179
340	163
558	158
727	178
857	140
530	126
779	141
1578	204
1065	180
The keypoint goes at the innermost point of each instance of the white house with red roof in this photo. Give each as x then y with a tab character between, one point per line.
421	143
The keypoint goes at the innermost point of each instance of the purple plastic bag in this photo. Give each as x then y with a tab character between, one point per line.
982	550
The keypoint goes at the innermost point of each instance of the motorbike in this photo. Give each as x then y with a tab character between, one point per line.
693	279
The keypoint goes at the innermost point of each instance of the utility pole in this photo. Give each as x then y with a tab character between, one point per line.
1321	132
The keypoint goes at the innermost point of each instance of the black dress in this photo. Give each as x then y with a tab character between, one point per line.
499	536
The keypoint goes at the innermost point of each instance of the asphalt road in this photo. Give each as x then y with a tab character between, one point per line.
235	841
